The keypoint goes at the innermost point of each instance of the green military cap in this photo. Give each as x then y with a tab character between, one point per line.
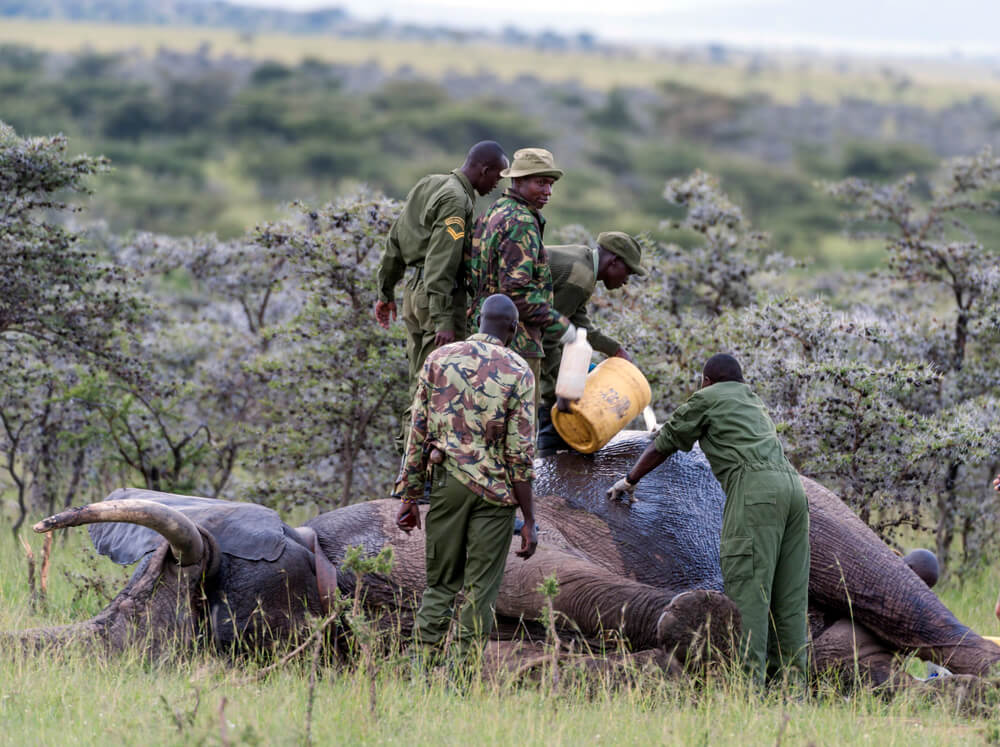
532	162
624	246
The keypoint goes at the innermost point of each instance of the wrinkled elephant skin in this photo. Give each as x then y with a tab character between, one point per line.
619	566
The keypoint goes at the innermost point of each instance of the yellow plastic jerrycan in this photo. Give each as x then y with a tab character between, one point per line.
615	393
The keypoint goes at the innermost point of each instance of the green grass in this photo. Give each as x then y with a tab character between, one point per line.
69	698
786	78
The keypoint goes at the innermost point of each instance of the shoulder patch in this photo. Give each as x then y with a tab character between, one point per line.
455	226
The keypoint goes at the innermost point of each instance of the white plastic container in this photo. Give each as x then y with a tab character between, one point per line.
574	366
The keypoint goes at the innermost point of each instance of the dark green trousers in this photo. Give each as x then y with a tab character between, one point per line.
467	544
548	375
420	332
535	364
765	568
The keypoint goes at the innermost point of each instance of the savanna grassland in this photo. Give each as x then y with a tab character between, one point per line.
785	77
172	335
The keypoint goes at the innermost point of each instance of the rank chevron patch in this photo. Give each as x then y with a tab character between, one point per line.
455	226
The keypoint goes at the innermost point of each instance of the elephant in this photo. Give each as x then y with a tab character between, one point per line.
234	574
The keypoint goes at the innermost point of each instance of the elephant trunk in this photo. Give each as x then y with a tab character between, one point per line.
155	610
597	601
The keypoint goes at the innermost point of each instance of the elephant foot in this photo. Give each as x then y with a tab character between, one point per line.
699	626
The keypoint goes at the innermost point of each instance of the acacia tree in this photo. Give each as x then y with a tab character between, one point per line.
668	319
840	376
44	457
336	382
52	289
843	402
186	425
63	308
952	289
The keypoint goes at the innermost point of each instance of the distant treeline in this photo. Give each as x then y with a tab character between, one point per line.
218	14
200	143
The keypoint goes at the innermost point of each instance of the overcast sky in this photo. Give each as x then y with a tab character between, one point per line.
970	27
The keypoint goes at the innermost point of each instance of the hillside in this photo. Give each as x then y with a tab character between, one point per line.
211	130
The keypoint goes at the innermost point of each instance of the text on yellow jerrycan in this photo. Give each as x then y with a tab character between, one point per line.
615	393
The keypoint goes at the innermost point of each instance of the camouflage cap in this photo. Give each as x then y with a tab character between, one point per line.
624	246
532	162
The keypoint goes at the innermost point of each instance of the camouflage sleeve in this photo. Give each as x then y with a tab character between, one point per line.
413	471
444	258
684	427
390	270
519	451
519	253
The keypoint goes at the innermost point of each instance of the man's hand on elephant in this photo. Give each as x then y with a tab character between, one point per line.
529	541
443	337
383	310
623	353
622	490
996	483
408	517
563	404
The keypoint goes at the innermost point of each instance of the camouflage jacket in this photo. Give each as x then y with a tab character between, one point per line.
507	256
430	234
475	403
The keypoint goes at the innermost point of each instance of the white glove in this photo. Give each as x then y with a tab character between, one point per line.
569	335
621	489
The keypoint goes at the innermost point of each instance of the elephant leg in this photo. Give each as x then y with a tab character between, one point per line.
854	655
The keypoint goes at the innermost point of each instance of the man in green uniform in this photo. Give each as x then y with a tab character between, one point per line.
575	271
430	236
764	552
507	255
472	430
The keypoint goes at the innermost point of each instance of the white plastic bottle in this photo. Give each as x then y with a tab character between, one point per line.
574	366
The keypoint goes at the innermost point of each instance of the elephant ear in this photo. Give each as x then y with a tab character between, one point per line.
243	530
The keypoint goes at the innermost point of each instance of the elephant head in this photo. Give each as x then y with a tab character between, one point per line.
225	573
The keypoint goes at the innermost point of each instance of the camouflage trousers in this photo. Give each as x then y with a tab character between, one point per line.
764	556
467	544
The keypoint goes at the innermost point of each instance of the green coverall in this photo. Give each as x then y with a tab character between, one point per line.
429	236
764	552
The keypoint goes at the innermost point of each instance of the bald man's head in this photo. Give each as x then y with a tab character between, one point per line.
483	165
498	317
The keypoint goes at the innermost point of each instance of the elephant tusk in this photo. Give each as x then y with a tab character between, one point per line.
185	538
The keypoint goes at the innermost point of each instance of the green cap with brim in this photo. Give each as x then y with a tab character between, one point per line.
622	245
532	162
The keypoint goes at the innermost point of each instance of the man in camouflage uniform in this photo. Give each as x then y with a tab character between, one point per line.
764	548
430	237
472	431
507	255
575	271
